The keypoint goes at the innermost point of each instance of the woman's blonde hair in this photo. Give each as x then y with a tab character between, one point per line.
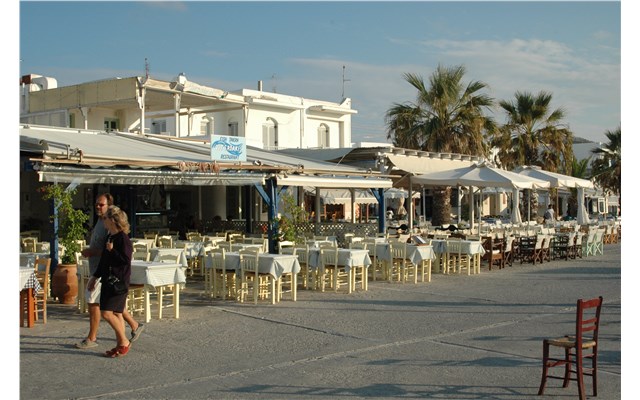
119	218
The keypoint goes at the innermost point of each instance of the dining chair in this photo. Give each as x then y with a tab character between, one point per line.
545	253
222	280
140	251
563	245
509	252
225	245
537	250
42	267
377	267
306	274
84	273
460	260
331	272
398	266
598	246
252	280
136	299
194	236
494	251
165	242
578	251
580	345
28	244
590	244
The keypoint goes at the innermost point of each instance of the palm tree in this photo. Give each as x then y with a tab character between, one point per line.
447	116
533	134
607	168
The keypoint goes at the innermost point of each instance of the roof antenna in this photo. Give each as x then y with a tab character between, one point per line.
146	69
343	81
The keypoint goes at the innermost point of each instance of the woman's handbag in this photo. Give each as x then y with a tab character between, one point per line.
117	286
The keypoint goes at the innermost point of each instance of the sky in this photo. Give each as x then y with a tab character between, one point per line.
324	50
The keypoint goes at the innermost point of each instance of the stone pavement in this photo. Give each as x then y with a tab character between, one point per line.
458	337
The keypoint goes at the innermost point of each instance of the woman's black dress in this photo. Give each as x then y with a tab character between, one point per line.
119	259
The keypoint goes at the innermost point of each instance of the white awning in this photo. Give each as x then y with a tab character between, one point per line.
122	176
335	182
424	165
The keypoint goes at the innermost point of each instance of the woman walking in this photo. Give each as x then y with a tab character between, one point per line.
114	270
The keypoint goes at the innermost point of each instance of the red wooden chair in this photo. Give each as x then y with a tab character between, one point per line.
584	345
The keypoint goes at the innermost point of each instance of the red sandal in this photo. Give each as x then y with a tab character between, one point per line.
117	351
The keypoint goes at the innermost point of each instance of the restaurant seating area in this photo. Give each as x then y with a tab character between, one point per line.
234	266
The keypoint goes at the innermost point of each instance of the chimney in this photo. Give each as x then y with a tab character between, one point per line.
260	86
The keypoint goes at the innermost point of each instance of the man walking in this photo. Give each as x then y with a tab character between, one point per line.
96	245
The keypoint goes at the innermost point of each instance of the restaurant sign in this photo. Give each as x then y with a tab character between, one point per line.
228	148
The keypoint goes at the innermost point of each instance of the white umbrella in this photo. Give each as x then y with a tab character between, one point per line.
516	218
557	180
480	175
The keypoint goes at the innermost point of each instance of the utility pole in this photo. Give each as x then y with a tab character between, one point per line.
343	81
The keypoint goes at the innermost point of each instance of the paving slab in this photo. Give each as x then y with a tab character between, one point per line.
457	337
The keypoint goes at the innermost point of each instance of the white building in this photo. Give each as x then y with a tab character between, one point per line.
185	109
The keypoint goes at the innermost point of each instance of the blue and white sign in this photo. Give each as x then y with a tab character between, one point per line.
228	148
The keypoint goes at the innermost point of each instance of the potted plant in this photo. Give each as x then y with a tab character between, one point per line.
70	232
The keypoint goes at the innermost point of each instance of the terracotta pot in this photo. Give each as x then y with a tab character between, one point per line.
64	283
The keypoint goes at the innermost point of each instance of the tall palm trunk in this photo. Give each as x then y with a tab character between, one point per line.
441	206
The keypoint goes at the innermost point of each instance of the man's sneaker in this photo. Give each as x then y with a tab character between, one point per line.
86	344
136	334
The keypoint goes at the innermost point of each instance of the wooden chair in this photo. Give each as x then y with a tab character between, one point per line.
252	280
42	267
456	259
545	253
140	252
28	244
330	272
494	251
401	267
578	245
222	280
165	242
580	345
562	246
509	250
377	267
194	237
84	273
306	274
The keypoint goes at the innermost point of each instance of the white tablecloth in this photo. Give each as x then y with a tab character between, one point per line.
191	249
346	257
151	243
416	254
156	273
156	252
241	246
274	264
470	247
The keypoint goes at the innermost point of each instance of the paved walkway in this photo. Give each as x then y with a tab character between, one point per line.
458	337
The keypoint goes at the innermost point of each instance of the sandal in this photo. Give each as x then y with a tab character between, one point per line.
117	351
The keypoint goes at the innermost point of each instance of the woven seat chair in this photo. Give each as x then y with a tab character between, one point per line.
580	345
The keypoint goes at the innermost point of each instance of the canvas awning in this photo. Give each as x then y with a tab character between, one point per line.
334	182
82	156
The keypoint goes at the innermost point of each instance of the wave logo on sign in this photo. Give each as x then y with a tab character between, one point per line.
228	148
